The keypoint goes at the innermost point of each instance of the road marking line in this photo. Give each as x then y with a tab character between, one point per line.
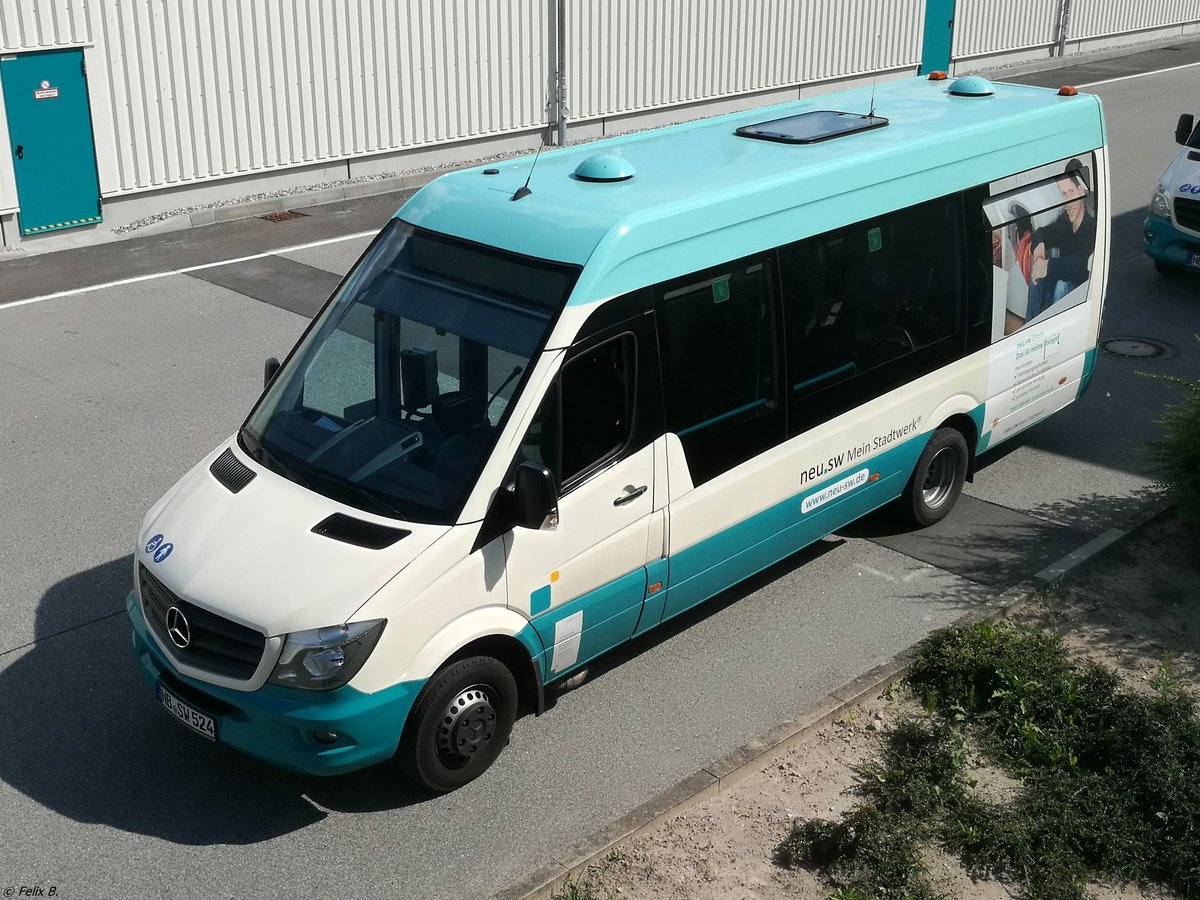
921	571
186	270
1138	75
1055	571
884	575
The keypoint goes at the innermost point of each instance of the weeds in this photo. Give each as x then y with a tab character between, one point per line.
1110	786
1177	456
582	890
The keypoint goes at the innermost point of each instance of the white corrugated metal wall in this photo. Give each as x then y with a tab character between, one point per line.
186	91
206	88
984	27
991	26
1097	18
628	55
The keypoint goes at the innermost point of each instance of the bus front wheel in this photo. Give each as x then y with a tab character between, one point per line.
460	724
937	480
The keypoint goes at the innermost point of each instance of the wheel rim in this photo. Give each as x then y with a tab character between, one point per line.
467	726
940	478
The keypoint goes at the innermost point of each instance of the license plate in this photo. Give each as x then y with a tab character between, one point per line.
188	715
1194	261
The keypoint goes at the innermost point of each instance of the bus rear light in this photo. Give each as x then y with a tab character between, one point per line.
1067	91
938	76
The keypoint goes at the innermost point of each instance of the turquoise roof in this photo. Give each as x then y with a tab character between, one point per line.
703	195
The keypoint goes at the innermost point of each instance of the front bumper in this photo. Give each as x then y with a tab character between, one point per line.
280	724
1164	242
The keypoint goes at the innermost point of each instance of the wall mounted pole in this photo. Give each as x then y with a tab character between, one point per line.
561	80
1064	26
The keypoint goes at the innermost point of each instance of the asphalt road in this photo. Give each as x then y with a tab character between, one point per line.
107	397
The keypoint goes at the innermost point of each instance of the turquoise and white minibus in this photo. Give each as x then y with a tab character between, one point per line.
558	402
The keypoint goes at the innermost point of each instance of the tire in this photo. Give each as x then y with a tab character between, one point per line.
1167	269
459	724
937	480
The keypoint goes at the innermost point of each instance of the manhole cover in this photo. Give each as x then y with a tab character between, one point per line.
1137	348
283	215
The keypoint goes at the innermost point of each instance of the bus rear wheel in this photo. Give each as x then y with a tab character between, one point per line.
937	480
459	724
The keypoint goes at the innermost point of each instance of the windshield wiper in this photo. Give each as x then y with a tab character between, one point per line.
372	497
270	460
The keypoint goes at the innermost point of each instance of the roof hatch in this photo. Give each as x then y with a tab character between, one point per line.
604	167
810	127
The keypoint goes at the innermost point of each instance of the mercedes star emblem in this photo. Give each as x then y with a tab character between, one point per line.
177	627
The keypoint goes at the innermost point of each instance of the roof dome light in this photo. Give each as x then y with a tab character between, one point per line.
604	167
972	86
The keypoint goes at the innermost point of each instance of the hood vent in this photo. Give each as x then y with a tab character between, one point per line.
362	534
230	471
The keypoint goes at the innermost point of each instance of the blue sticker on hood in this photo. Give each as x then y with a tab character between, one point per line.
163	552
152	544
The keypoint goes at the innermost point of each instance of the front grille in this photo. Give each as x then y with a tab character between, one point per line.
217	645
1187	213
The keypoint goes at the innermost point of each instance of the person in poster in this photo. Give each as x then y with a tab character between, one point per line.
1062	249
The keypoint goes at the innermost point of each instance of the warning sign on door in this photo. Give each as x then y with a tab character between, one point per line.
45	92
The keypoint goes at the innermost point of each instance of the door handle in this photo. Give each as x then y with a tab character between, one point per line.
631	494
20	152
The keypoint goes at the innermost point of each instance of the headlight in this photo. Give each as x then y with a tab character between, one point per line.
326	658
1160	204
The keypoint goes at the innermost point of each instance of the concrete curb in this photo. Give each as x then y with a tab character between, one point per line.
751	757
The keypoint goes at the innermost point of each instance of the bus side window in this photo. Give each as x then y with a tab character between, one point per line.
717	334
983	252
586	418
871	306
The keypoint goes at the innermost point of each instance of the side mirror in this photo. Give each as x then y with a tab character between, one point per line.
536	496
1183	130
270	367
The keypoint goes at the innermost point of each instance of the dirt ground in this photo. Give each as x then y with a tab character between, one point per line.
1127	608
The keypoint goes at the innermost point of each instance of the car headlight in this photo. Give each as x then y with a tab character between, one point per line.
1160	204
326	658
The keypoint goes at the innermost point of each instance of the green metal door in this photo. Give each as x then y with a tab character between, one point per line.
50	131
939	36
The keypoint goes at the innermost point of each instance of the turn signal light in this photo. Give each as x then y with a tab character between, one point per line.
938	76
1067	91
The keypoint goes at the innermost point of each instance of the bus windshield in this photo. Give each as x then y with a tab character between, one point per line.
396	395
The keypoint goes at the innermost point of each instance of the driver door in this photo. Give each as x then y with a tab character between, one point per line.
583	582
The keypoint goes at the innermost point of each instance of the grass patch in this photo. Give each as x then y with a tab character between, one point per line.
1111	779
583	890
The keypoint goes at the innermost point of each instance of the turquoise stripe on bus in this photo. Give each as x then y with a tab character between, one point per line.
539	600
981	438
610	613
1089	364
722	560
657	572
